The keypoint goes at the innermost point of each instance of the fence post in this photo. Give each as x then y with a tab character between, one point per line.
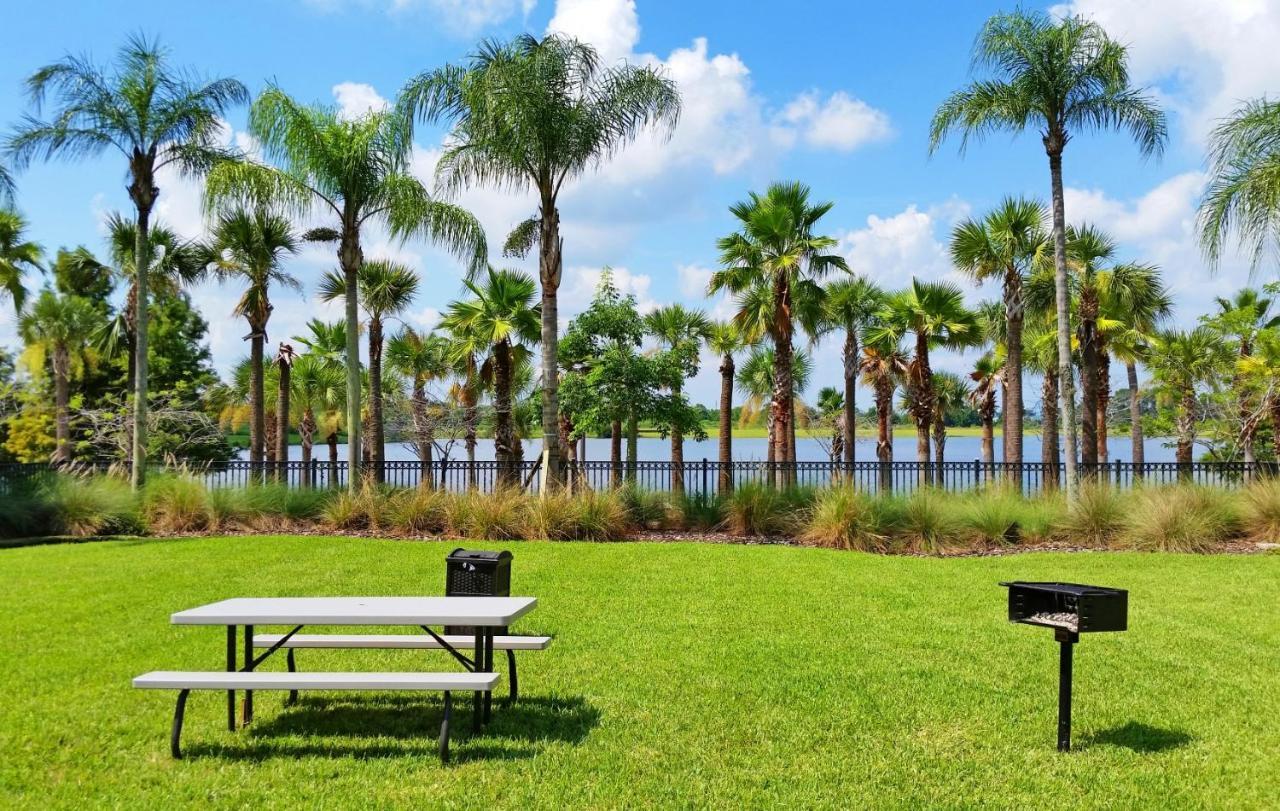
705	472
1117	474
977	471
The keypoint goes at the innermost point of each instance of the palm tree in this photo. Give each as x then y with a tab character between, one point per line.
850	305
1240	320
831	408
950	393
1260	371
8	189
1006	244
988	376
756	379
499	324
250	245
422	359
156	116
680	332
725	339
17	256
1181	362
328	343
1087	249
935	313
385	289
1243	195
315	386
1062	76
59	326
356	172
777	258
284	360
883	365
534	114
1040	345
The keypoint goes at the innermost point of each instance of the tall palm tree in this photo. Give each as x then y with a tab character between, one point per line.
1006	244
756	380
284	360
1061	76
60	326
328	343
680	332
725	339
422	358
1243	195
385	289
316	385
987	377
249	246
17	256
156	116
356	173
534	114
777	257
1040	345
498	324
1088	250
831	409
883	365
1182	361
851	305
935	314
950	393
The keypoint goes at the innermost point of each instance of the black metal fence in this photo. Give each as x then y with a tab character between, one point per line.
693	477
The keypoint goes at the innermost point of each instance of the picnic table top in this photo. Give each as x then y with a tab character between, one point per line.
482	611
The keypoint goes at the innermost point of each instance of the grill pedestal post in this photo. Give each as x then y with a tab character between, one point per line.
1066	643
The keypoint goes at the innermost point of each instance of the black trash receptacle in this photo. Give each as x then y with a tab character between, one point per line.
476	573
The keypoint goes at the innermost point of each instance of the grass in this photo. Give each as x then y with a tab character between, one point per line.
682	674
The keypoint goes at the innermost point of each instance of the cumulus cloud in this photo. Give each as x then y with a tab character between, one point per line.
841	122
356	99
891	249
579	286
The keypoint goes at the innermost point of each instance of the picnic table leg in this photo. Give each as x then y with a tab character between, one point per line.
246	708
231	666
478	661
488	668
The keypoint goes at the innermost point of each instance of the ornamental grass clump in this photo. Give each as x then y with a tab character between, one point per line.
844	518
502	515
177	503
582	516
91	505
1260	510
928	521
1097	516
1180	518
646	508
365	508
422	511
760	510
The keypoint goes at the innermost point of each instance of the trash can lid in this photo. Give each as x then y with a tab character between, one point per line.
477	554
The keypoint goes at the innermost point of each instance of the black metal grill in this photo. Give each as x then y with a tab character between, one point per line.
1070	609
476	573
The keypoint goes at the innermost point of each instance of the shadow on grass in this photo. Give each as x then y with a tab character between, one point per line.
1139	737
513	733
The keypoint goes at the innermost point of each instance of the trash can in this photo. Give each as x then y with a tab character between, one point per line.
476	573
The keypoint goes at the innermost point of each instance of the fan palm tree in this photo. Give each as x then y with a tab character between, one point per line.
1182	361
987	377
284	360
1005	245
17	256
1243	195
1260	371
498	324
883	366
935	314
777	258
1061	76
680	332
1240	320
725	339
1088	248
422	358
756	378
356	173
316	385
534	114
831	409
851	305
950	393
156	116
385	289
328	343
250	246
59	327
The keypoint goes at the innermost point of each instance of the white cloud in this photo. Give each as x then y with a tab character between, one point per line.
842	122
356	99
693	281
889	250
1206	56
612	26
579	284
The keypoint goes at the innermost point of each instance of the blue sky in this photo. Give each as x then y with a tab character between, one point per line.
836	94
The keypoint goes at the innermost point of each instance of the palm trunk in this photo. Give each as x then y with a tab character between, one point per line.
503	435
987	412
884	433
939	444
782	406
307	436
332	440
1049	429
1275	427
726	424
1062	301
62	402
143	194
1014	416
377	440
470	423
1135	419
549	269
677	450
1104	402
269	438
257	402
922	405
1089	382
351	258
850	395
1186	426
422	430
615	453
282	416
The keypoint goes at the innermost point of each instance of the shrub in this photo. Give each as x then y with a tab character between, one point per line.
757	509
418	512
926	521
645	508
1042	519
365	508
176	503
1097	516
90	505
1260	510
1180	518
843	518
583	516
499	516
700	511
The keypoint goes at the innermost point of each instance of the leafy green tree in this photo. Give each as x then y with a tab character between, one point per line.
249	246
534	114
1062	76
1005	245
386	289
181	363
156	116
851	305
725	339
355	173
17	256
772	263
59	326
1243	195
498	324
680	333
1182	361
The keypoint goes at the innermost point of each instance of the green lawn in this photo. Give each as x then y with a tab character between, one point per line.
681	675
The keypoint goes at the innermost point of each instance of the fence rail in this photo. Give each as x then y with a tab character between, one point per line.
693	477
